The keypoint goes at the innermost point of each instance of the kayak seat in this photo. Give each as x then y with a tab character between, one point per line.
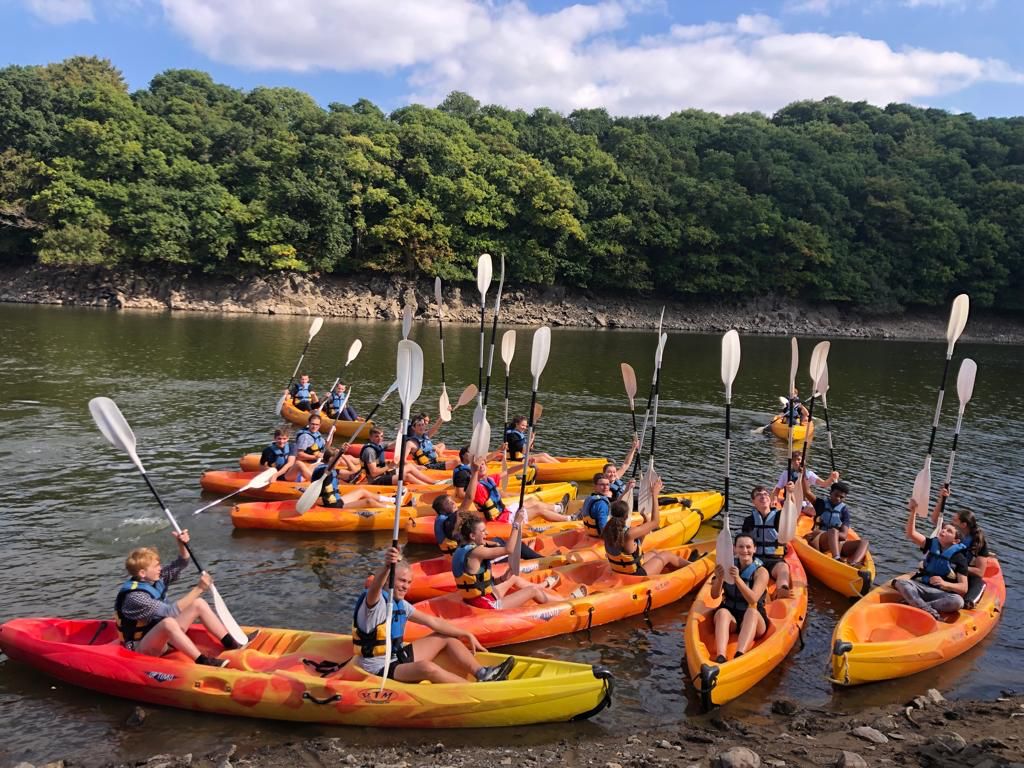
776	609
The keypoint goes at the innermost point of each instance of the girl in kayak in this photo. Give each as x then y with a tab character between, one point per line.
832	525
616	484
485	491
975	543
148	623
940	584
623	543
742	601
413	662
515	440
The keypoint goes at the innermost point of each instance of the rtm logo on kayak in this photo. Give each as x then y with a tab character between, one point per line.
161	677
376	696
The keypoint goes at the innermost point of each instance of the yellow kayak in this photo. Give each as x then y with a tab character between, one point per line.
849	580
343	429
780	429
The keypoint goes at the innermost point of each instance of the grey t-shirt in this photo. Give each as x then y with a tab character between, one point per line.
367	618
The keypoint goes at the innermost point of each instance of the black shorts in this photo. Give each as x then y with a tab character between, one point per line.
388	478
435	465
771	562
302	405
738	615
403	655
340	503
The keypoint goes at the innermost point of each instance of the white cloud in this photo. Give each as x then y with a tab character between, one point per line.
61	11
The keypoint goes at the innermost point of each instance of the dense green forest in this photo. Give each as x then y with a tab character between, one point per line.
825	200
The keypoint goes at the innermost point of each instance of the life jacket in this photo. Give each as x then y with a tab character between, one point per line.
516	442
319	443
629	563
444	532
791	411
493	506
766	536
939	562
303	392
968	542
330	494
593	502
131	629
732	599
461	474
617	488
831	517
337	402
280	455
372	643
377	449
471	584
424	453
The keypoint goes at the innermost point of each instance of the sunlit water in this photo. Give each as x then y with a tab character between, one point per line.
199	391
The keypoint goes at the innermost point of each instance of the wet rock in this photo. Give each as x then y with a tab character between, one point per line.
437	749
868	733
665	744
887	723
950	743
784	707
934	696
738	757
136	718
23	765
990	742
847	759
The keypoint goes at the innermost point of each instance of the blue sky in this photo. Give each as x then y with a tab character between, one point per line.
629	56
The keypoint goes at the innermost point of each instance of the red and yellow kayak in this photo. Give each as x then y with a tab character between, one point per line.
278	676
719	683
880	637
841	577
611	597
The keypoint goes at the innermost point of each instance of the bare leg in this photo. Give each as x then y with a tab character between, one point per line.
780	575
201	610
305	469
414	475
855	551
425	650
753	626
724	622
525	591
538	508
656	562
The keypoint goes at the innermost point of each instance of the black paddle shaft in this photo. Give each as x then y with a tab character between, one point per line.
490	361
152	489
398	499
526	451
938	407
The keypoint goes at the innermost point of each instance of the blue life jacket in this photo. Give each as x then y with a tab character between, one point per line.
319	443
471	584
617	488
444	532
132	629
461	475
303	392
516	442
372	643
493	506
596	511
766	536
791	411
379	452
939	562
732	599
338	401
831	517
424	453
280	455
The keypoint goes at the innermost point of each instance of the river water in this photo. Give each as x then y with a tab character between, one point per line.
199	391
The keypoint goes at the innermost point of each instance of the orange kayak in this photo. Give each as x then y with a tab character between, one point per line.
880	637
611	597
433	577
287	674
719	683
343	429
849	580
281	516
706	503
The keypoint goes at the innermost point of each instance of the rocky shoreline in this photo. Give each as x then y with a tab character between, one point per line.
382	297
930	732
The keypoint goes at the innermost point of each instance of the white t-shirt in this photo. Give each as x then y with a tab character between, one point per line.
367	618
784	478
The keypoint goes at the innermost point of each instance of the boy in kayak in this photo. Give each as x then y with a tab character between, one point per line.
377	471
338	406
762	524
308	448
419	446
597	507
278	455
973	538
485	491
743	601
148	623
940	583
811	480
448	519
303	396
832	526
413	662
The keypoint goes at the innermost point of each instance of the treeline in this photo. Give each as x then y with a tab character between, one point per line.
825	200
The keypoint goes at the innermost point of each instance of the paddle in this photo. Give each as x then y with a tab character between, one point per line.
444	406
409	365
484	268
964	390
823	384
957	321
730	367
508	351
646	503
314	329
647	412
794	359
629	382
406	321
494	332
353	352
539	352
262	480
115	429
466	397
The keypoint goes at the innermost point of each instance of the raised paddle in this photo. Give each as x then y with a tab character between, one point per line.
794	359
494	333
314	329
262	480
406	321
409	366
466	397
115	429
629	383
791	508
957	321
647	411
444	406
353	352
508	351
646	503
964	390
823	386
539	353
484	270
730	367
315	488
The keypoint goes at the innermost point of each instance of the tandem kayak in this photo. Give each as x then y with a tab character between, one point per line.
719	683
281	516
342	429
846	579
706	504
610	597
880	637
286	674
800	431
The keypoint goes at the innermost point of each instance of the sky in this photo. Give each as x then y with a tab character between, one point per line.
628	56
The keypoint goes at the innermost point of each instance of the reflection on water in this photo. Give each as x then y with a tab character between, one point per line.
199	391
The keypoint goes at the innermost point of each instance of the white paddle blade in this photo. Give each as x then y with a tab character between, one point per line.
114	427
484	270
478	415
629	381
794	361
467	396
227	619
730	360
389	391
262	480
444	407
791	512
508	347
406	321
353	352
660	350
957	321
823	385
310	495
480	443
723	551
410	374
784	400
314	329
539	353
819	359
661	321
437	294
280	405
644	506
965	381
922	488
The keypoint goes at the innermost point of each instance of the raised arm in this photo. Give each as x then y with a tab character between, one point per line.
911	530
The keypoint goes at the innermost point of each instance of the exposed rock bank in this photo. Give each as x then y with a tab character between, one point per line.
383	298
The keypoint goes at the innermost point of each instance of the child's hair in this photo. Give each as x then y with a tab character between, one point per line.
280	433
598	476
614	532
141	558
744	536
468	526
376	431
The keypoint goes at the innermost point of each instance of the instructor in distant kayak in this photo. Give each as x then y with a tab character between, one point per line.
337	405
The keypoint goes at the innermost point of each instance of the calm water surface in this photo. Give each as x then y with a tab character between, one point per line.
199	391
